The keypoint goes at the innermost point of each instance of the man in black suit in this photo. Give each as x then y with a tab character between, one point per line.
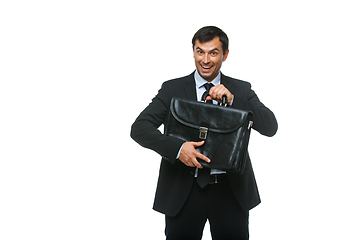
227	198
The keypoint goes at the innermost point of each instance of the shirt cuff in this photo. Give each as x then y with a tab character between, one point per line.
178	155
230	104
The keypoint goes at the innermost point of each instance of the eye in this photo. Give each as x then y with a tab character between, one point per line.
213	53
199	52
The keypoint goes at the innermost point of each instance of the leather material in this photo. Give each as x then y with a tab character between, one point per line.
225	131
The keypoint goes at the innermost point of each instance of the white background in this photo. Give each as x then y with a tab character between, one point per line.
75	75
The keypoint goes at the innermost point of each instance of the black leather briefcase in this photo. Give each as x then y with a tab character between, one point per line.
225	130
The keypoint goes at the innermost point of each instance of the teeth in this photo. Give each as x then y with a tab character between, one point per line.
206	67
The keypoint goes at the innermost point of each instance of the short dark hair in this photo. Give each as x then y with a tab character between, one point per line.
208	33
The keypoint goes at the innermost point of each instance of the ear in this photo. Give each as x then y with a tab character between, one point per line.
225	55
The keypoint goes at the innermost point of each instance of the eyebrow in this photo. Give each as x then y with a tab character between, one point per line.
212	50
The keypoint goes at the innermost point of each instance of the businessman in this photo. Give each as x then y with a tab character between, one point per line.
227	197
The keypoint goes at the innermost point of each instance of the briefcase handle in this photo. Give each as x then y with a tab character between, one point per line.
224	101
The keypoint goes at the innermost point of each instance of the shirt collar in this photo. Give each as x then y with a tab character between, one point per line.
199	81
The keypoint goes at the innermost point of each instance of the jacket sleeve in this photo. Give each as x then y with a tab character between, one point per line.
264	119
145	128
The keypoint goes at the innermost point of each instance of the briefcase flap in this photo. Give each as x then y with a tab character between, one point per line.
216	118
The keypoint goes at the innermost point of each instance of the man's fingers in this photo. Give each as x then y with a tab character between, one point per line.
203	157
199	155
198	144
197	164
218	91
189	156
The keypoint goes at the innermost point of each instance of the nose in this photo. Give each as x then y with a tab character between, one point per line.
206	58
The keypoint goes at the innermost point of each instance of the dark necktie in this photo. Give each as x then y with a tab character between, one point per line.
206	93
203	176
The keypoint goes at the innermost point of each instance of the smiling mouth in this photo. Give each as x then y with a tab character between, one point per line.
206	67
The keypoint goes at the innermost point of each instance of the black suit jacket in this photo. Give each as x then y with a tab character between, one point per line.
175	178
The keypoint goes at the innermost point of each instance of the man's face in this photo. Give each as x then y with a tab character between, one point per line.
209	58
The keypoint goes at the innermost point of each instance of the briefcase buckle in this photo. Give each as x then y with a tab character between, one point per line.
203	132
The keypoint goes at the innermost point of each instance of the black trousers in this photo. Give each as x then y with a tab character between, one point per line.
216	203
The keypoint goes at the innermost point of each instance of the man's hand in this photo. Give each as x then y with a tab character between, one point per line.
189	154
218	91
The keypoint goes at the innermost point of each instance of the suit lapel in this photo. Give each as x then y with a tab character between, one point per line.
190	87
226	82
